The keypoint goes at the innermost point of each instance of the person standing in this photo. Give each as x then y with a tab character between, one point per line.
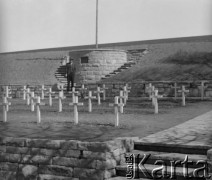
70	73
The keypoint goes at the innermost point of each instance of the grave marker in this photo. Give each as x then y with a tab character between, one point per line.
5	105
203	87
42	91
50	96
38	104
32	98
116	106
122	97
28	96
24	92
74	93
183	91
60	97
104	91
155	97
175	87
98	92
125	91
76	104
90	97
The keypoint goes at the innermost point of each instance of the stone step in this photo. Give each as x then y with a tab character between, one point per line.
174	148
141	172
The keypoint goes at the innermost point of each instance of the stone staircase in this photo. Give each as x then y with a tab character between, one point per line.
120	69
164	155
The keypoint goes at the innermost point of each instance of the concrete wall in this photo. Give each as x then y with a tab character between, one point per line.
22	159
100	63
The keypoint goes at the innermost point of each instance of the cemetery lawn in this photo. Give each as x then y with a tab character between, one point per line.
138	120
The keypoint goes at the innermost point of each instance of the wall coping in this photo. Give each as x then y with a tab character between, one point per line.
101	49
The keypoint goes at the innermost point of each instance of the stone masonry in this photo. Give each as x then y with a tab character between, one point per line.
22	158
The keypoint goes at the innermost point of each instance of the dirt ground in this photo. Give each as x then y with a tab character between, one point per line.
138	119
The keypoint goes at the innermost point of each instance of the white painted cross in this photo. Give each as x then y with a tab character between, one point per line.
60	97
90	97
104	91
74	93
7	92
98	92
24	92
42	91
183	91
75	104
175	87
155	97
38	104
116	106
5	105
28	96
150	89
122	97
50	96
32	98
125	91
203	87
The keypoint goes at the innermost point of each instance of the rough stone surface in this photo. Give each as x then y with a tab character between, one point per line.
60	159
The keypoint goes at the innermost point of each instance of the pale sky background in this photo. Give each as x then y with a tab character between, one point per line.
37	24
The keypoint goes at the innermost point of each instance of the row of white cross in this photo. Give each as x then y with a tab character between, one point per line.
119	101
31	98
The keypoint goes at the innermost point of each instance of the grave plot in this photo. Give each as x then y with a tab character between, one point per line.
85	119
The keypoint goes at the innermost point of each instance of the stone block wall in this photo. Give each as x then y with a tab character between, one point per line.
33	159
138	89
100	63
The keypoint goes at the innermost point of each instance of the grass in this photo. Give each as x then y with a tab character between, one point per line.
138	120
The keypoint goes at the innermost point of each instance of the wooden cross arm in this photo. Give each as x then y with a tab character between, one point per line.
122	97
75	92
76	104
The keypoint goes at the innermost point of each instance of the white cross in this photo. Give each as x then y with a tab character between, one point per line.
75	104
42	91
38	104
98	92
155	97
32	98
183	91
122	97
7	92
5	105
116	106
28	96
203	87
74	93
24	92
83	91
150	89
104	91
60	97
50	96
125	91
175	87
90	97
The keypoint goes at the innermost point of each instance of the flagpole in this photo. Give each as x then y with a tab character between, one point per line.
96	24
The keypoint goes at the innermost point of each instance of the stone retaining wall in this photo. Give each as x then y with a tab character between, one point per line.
22	158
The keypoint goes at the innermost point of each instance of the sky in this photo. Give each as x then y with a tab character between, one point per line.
39	24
